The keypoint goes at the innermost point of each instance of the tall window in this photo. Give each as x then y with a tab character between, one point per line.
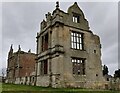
44	42
76	18
77	40
44	67
78	66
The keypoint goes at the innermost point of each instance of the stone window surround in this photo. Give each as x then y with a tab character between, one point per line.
76	18
80	64
44	42
44	67
77	41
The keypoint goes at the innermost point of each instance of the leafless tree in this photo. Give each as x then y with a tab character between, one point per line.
3	74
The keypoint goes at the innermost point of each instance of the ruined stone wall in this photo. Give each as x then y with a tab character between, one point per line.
93	62
59	53
21	64
27	64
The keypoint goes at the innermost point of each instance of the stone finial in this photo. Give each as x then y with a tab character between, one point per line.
49	14
57	4
29	51
46	16
11	51
19	48
11	47
43	24
75	3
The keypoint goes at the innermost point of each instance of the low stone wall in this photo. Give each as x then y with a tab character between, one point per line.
25	81
43	81
114	84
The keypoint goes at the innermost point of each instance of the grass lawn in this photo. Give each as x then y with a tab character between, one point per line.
0	87
12	88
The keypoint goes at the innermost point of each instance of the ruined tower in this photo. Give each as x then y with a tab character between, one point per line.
68	53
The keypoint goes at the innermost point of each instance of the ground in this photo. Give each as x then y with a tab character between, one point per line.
12	88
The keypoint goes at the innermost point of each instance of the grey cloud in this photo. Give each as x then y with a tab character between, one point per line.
103	21
119	33
110	58
112	67
21	23
110	55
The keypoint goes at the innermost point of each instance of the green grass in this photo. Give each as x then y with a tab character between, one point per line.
0	87
12	88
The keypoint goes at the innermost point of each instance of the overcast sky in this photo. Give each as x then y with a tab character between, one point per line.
20	23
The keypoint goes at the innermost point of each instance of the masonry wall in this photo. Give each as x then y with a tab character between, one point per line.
20	65
11	68
59	53
92	63
27	64
62	65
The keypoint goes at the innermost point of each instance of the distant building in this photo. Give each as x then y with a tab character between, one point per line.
108	77
20	66
2	79
68	53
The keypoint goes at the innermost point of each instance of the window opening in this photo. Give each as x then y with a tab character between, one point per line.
44	67
76	18
77	40
44	42
78	66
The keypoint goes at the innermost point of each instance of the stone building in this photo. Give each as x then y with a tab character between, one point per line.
68	53
20	66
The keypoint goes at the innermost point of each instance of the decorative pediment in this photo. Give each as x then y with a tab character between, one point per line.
75	9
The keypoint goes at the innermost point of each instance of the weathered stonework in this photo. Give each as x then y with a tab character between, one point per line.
20	67
54	52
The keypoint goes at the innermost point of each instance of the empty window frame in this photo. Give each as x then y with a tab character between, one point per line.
78	66
76	18
44	45
44	67
77	40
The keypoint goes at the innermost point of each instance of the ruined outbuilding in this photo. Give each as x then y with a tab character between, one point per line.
20	67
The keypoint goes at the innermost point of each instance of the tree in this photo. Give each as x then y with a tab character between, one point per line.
105	70
117	73
3	74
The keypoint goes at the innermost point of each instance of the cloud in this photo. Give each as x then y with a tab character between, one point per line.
21	23
103	21
0	36
111	55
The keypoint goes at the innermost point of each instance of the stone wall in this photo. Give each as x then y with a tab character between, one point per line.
59	26
114	84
